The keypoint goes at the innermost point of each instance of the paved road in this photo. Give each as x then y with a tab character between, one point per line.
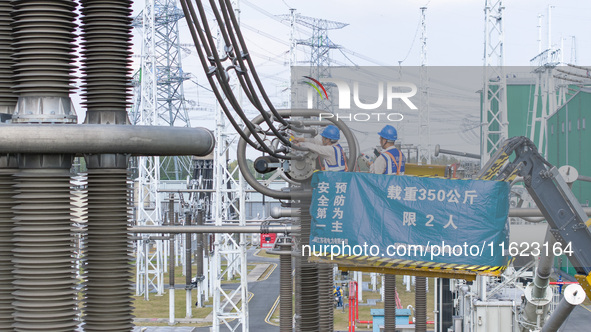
265	293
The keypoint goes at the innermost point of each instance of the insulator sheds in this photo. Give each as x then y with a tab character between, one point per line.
285	291
7	96
309	280
421	304
6	246
46	295
390	303
106	26
326	297
108	253
43	36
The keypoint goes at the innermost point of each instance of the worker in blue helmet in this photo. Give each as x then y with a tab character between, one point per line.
391	160
330	153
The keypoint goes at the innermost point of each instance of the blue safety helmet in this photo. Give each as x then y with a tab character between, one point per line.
389	133
331	132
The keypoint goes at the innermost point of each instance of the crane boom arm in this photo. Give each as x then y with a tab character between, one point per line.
566	218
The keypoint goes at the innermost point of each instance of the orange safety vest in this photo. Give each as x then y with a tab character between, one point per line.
391	162
341	161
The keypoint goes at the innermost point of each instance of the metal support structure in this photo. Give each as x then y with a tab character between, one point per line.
217	229
229	259
230	306
162	102
494	121
545	98
162	76
149	269
424	116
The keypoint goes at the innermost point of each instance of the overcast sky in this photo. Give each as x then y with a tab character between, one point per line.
387	33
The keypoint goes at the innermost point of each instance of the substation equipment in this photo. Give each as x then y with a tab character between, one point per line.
39	288
41	250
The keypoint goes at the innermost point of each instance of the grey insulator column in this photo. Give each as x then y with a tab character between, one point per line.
7	96
43	42
106	26
44	246
285	289
421	304
326	296
307	303
8	166
390	303
108	253
7	170
44	249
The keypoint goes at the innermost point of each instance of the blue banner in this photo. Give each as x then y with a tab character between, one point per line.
459	222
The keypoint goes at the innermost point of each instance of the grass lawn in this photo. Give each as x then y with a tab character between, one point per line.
158	306
263	253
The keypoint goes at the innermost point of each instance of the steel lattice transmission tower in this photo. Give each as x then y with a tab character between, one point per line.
161	102
161	61
424	116
320	46
230	306
494	99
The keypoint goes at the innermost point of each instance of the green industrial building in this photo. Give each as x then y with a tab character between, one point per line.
567	132
568	138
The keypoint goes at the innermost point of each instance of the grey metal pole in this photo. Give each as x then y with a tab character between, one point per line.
171	261
211	229
100	139
171	279
188	267
537	294
199	260
279	212
534	212
146	269
573	296
544	269
439	150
